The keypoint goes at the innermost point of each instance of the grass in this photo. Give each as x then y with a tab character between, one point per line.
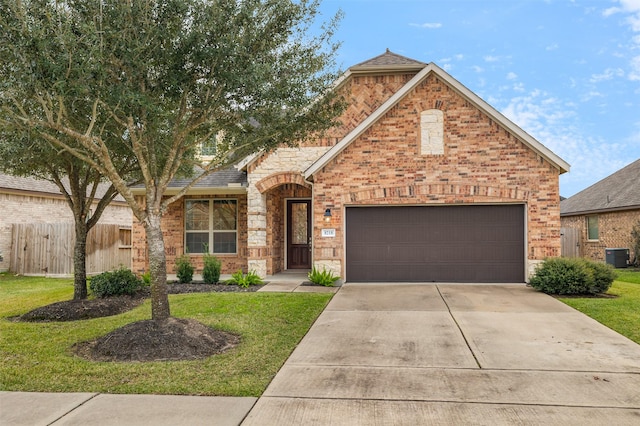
621	313
36	357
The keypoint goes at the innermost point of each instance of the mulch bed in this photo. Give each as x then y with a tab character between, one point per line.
173	339
167	340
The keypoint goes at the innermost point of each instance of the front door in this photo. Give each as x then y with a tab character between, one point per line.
298	234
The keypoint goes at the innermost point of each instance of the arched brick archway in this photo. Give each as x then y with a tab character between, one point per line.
277	179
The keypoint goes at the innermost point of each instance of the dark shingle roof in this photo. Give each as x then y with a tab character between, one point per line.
619	191
28	184
33	185
225	178
388	61
218	179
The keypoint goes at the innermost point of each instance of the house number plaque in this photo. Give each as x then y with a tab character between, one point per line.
328	232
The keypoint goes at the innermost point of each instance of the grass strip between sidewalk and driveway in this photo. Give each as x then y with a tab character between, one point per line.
621	313
36	357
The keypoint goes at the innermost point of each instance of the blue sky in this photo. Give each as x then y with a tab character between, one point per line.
567	72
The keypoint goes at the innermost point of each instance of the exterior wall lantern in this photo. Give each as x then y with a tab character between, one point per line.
327	216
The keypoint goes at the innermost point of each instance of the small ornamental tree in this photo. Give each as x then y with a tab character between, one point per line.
154	81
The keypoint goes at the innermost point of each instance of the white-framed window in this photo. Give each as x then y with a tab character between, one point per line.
592	228
211	226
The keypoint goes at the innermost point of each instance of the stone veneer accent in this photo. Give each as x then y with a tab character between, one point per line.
283	166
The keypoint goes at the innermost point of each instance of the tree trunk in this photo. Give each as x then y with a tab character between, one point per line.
157	268
80	261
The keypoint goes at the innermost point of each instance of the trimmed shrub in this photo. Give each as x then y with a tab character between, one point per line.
211	271
572	276
325	278
603	277
115	283
184	269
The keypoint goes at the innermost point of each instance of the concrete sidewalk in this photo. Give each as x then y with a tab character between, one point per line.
454	354
406	354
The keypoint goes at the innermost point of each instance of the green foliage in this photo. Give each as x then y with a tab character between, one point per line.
603	277
153	81
244	281
184	269
572	276
115	283
325	278
146	278
211	271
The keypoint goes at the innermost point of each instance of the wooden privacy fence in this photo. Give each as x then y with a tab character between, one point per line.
47	248
571	242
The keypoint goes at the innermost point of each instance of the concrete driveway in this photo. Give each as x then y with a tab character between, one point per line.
446	354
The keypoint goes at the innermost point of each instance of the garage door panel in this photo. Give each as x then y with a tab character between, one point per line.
446	244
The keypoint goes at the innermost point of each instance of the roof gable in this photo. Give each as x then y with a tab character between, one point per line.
618	191
388	61
479	103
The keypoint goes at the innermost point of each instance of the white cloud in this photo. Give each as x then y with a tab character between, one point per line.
632	7
553	46
590	95
634	73
477	68
490	58
554	124
608	74
518	87
512	76
429	25
611	11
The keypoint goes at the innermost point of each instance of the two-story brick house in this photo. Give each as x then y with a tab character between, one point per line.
422	181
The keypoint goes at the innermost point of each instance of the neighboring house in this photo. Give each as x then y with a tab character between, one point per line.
25	200
423	181
603	215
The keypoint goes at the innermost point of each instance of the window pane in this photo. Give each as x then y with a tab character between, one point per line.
299	223
197	242
224	215
208	147
592	227
197	215
224	242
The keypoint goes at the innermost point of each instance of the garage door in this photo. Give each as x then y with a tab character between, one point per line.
442	244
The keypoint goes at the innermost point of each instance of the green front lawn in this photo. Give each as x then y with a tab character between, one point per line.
36	356
622	313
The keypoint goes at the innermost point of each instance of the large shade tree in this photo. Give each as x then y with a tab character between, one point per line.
157	79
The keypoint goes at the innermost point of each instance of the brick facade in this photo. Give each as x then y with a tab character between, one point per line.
30	208
482	163
614	231
484	160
